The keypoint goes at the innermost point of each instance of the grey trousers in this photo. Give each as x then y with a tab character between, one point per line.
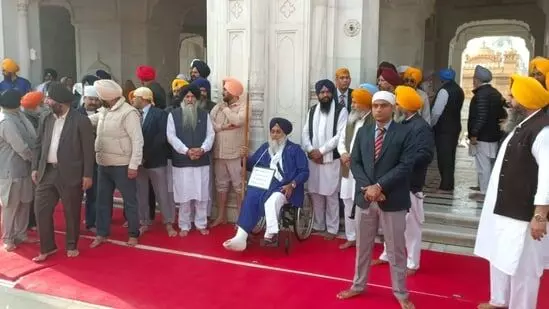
159	180
394	226
15	216
48	193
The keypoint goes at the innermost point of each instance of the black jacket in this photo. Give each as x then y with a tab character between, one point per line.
391	171
485	111
424	143
159	95
155	144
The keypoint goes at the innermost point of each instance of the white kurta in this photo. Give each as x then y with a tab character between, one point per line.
425	111
501	240
190	183
324	178
347	190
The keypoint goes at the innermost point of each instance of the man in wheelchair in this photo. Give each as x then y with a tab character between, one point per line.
279	171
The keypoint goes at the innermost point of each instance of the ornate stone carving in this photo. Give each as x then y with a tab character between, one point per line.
351	27
287	8
23	6
237	8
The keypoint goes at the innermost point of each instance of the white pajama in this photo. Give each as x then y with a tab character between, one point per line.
272	209
484	153
326	212
350	224
200	217
414	220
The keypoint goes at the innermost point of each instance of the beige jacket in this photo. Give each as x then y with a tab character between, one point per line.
228	122
119	140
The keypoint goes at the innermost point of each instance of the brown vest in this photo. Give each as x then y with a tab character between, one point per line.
518	178
349	132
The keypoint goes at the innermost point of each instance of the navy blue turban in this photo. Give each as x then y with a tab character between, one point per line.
202	68
190	88
284	124
325	83
202	83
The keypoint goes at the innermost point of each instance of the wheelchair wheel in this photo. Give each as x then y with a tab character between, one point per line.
303	220
259	227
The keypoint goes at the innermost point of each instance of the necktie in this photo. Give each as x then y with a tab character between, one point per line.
141	114
342	100
379	143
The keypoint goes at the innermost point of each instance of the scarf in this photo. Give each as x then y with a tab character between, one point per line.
276	162
24	127
324	123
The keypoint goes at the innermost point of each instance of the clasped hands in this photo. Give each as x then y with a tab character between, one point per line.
346	159
373	193
195	153
316	156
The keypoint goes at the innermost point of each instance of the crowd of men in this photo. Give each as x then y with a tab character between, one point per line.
365	150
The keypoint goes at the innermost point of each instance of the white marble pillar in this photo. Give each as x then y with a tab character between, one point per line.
23	37
259	15
370	40
319	47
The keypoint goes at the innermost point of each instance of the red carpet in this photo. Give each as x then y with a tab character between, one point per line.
124	277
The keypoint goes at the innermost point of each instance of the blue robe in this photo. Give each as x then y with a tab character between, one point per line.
20	84
295	168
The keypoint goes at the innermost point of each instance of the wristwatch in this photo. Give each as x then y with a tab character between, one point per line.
539	218
293	184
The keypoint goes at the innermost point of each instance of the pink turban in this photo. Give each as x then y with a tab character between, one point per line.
233	86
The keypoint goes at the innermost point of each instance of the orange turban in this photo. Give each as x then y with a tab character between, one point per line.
413	74
528	92
233	86
408	98
541	64
362	97
178	84
32	99
10	66
145	73
342	72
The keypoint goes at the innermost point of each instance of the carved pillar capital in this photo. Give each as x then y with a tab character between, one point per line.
23	6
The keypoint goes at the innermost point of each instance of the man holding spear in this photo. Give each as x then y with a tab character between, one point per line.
230	123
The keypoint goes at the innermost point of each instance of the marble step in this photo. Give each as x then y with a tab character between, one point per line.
449	235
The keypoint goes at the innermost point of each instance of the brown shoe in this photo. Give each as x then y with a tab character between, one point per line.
329	236
347	244
411	272
489	306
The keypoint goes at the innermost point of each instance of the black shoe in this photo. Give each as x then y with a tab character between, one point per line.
270	242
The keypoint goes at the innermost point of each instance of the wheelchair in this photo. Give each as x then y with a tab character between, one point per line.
298	220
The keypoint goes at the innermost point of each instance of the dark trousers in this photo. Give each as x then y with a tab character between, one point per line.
152	202
48	193
108	179
446	145
32	217
91	197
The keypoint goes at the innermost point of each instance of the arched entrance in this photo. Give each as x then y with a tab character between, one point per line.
483	28
191	47
57	39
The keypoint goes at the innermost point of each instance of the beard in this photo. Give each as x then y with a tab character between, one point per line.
202	103
398	116
57	108
515	115
325	104
190	116
276	145
355	115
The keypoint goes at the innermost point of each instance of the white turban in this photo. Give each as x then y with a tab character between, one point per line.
77	88
401	69
384	96
107	89
89	91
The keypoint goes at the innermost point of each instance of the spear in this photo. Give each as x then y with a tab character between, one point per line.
246	141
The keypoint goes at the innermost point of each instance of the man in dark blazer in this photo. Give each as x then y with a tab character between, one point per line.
381	165
344	92
90	107
155	162
62	168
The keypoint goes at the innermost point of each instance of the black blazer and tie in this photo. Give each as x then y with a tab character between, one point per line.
391	171
155	150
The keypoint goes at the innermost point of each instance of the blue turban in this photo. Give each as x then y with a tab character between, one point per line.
372	89
102	74
447	74
192	89
325	83
202	83
284	124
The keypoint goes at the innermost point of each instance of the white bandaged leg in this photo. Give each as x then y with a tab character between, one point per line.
200	214
319	211
414	221
238	242
350	225
332	213
272	208
185	216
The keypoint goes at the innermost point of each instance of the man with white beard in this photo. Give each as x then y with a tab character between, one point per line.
191	134
360	116
289	163
513	224
324	124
